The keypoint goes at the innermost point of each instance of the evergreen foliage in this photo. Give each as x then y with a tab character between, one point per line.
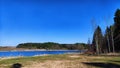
52	45
117	30
110	41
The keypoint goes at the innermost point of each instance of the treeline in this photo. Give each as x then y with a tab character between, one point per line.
110	41
52	45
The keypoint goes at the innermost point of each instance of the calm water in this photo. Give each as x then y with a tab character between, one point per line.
34	53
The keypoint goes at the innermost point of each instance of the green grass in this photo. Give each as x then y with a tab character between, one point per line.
107	59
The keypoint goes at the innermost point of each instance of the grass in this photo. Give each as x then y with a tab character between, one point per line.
67	61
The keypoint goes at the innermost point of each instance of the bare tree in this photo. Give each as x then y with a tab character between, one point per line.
112	34
89	43
97	45
106	22
94	26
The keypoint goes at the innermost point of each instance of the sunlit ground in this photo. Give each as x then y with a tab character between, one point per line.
64	61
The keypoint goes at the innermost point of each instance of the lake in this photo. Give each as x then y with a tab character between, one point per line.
36	53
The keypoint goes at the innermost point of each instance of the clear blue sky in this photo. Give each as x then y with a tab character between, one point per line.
62	21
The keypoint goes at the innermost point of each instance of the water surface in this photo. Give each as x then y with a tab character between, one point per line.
35	53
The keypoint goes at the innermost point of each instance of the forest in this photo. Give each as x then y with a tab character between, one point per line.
52	45
110	40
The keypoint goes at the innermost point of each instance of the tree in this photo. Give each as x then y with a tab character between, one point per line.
97	40
105	44
94	26
89	44
107	36
117	30
112	38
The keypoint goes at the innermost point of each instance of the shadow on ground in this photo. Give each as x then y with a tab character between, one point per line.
16	65
102	65
116	61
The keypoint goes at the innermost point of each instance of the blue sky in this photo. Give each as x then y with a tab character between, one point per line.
62	21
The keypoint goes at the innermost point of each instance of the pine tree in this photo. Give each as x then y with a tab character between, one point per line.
117	30
97	40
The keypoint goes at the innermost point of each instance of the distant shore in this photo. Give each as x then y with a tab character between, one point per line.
25	49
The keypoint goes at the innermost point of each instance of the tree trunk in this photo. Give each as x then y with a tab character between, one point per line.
112	40
113	43
97	46
108	44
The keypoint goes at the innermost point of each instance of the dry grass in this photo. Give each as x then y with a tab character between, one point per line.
56	61
57	64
